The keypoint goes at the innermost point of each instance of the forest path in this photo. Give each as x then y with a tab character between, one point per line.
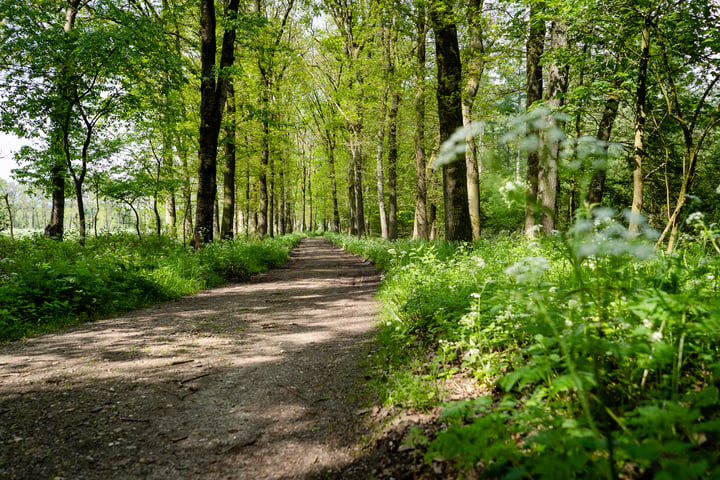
256	380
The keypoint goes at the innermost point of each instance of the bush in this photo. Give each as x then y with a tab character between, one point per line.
601	352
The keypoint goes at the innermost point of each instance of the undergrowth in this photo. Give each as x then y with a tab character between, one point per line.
45	284
601	353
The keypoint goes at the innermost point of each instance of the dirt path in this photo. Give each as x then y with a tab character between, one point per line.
257	380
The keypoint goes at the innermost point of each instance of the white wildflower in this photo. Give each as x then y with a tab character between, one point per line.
695	217
479	261
647	323
656	336
528	270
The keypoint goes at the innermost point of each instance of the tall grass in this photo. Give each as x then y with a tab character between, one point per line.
45	284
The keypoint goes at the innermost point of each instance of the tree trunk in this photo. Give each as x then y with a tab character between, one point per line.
548	180
311	221
333	182
352	228
475	67
379	175
420	224
6	197
168	164
392	164
61	136
390	52
359	218
597	183
282	198
449	73
247	195
228	212
213	92
534	50
271	196
303	225
640	119
186	190
156	212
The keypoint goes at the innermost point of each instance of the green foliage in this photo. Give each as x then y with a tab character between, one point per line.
45	284
601	352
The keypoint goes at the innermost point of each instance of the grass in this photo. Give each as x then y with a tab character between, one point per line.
46	285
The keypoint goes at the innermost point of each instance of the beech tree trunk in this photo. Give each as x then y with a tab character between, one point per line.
475	67
449	73
534	50
420	224
640	119
228	212
213	93
262	225
392	164
333	182
548	180
596	188
379	169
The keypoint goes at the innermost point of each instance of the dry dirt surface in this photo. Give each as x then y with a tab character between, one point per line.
263	379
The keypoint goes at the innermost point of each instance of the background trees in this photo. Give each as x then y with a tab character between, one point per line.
329	123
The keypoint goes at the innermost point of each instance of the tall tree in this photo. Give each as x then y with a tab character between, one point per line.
534	49
228	211
690	35
391	42
640	120
420	224
475	67
346	15
60	136
558	71
604	131
449	74
213	94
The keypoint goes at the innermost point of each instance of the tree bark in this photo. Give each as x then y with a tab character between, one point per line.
449	73
228	212
333	183
390	52
548	180
392	164
475	68
420	224
264	162
379	175
6	197
640	119
213	93
534	49
596	188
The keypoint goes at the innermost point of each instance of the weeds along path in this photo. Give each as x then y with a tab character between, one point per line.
256	380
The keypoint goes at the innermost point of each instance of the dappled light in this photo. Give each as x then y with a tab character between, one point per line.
260	376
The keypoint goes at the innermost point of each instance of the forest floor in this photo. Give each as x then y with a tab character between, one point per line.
263	379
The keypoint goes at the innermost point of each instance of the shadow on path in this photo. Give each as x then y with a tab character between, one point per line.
261	379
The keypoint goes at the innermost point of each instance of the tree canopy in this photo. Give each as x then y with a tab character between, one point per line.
332	114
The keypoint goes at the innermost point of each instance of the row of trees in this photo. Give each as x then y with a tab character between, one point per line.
271	106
